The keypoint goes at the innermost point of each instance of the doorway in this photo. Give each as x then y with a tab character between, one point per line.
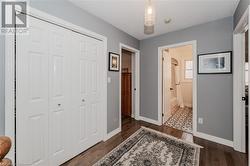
177	67
126	83
129	84
173	101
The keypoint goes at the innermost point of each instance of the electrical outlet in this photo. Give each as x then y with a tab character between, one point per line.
200	120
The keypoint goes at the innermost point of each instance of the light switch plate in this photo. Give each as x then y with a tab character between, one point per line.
200	120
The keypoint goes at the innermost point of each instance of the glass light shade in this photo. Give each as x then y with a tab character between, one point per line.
149	18
148	29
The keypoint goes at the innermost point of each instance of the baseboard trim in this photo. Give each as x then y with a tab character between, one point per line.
111	134
150	120
214	139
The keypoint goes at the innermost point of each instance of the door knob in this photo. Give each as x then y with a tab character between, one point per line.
59	105
244	98
83	100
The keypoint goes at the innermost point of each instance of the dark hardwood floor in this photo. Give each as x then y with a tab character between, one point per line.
212	154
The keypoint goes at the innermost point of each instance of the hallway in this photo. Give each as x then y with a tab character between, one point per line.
212	154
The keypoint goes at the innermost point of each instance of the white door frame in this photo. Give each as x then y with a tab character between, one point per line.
239	134
160	90
10	73
137	82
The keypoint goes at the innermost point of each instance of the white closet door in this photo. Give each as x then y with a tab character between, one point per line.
79	95
59	50
87	96
94	60
32	95
60	85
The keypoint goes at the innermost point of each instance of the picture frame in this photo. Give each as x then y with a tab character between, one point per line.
114	62
215	63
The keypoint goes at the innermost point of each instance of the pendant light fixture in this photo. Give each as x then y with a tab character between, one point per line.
149	19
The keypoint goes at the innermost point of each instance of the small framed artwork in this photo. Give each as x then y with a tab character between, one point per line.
215	63
114	61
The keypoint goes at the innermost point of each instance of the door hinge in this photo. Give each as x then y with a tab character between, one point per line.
162	58
162	114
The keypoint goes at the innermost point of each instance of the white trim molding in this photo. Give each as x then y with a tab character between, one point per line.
243	22
214	139
238	91
10	77
136	100
156	122
9	92
194	82
239	120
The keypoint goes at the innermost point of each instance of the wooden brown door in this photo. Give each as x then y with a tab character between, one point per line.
126	94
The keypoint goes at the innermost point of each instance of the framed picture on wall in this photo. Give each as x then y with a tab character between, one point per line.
215	63
114	61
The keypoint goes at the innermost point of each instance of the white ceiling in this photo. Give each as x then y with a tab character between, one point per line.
128	15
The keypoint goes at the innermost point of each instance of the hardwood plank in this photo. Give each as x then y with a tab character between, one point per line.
212	154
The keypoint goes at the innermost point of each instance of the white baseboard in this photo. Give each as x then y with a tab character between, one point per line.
111	134
214	139
150	120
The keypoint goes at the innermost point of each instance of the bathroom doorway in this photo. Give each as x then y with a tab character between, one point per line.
177	74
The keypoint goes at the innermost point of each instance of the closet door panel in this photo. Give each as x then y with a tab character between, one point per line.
82	126
95	60
60	78
32	95
83	77
82	100
59	94
93	119
86	92
79	95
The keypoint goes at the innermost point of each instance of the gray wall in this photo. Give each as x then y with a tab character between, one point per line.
215	92
241	8
71	13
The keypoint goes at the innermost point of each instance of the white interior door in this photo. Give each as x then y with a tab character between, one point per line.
94	82
59	88
166	71
79	94
32	95
87	81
